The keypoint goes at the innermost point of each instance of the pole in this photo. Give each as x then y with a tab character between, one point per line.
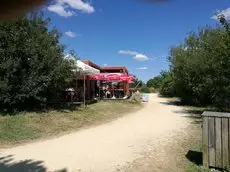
99	90
137	84
84	91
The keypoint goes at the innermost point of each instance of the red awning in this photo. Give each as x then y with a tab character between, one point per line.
112	77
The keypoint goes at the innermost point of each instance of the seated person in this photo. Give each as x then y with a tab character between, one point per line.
107	94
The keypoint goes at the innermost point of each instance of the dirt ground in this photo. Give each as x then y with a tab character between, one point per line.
153	139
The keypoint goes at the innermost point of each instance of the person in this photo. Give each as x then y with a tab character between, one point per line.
107	93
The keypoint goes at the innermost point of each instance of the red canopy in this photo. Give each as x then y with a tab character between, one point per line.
97	77
112	77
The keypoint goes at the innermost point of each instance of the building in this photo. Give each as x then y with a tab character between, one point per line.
92	85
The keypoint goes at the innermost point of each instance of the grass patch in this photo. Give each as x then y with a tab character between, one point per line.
194	168
30	125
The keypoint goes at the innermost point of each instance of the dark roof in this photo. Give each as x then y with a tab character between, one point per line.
113	67
91	64
105	68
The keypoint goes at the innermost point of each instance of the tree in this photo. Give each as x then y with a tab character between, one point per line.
201	67
137	83
164	83
155	82
32	67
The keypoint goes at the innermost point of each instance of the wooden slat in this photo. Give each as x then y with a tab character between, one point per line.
218	143
211	142
205	142
225	137
216	114
228	142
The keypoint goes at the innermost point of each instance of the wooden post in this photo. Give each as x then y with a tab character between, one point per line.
84	91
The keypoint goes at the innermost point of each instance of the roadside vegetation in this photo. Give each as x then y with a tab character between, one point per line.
199	69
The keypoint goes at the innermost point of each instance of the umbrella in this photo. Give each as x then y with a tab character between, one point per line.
128	78
113	77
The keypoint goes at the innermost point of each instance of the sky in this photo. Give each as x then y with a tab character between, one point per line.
132	33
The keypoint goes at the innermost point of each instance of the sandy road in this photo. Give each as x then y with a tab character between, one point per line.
107	147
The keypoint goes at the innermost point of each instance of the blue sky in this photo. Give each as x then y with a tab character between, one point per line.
130	33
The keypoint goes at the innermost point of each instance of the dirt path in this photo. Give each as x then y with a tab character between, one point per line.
110	147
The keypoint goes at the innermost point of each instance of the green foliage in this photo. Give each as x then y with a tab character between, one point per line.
155	82
167	85
200	68
137	83
32	68
152	89
164	83
145	90
195	168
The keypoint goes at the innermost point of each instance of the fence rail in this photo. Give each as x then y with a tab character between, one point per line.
216	139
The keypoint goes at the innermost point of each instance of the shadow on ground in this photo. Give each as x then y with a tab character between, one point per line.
194	114
172	103
7	165
195	157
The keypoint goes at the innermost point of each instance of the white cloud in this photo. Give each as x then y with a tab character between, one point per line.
105	65
136	56
72	34
60	10
142	68
128	52
141	57
65	8
225	12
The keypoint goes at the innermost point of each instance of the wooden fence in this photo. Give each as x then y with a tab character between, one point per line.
216	139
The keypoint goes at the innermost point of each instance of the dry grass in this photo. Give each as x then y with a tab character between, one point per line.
29	126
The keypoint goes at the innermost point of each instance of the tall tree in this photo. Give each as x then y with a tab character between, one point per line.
32	67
